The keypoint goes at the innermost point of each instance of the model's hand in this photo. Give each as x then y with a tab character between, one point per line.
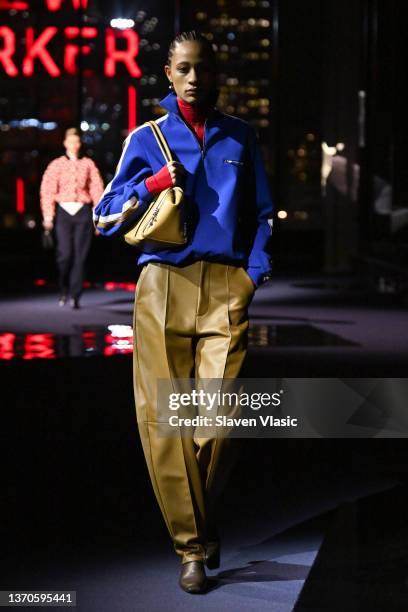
97	232
177	172
48	225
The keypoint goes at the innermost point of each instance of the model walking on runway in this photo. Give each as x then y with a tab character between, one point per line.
70	187
191	303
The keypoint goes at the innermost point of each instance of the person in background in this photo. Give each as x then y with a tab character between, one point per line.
70	188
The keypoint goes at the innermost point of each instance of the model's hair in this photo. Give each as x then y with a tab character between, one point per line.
72	131
196	36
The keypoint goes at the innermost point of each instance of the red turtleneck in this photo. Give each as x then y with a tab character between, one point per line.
195	117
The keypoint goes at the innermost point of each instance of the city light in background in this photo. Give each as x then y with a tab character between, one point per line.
121	23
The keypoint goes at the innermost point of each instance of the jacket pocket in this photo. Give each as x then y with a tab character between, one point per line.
139	280
234	162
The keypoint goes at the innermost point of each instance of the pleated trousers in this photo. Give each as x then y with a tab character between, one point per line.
189	322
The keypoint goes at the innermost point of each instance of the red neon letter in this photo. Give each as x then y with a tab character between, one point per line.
126	56
37	49
13	4
20	204
71	51
8	50
55	5
131	107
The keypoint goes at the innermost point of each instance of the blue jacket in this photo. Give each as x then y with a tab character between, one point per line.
226	189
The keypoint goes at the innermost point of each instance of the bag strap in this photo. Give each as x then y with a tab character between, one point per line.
164	147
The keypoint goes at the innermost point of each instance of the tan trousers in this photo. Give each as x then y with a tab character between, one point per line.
189	322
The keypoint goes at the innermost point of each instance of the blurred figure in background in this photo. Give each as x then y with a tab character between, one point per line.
70	188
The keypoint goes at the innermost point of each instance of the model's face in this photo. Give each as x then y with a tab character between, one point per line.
72	144
191	72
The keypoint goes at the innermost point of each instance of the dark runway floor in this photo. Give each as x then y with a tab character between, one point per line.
306	524
301	528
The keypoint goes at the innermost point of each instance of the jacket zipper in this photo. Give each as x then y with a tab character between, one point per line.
202	148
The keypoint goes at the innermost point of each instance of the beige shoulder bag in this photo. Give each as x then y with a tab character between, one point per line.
163	224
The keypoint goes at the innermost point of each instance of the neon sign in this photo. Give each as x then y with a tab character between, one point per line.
121	47
37	52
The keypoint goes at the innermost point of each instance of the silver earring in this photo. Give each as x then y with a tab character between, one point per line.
171	85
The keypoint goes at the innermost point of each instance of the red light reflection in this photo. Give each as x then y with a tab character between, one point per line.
39	346
111	286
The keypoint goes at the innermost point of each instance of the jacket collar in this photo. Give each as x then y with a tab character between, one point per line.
213	130
169	102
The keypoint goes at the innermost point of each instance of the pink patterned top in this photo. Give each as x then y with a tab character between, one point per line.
69	180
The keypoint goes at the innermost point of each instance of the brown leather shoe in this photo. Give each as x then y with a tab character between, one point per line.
212	555
192	577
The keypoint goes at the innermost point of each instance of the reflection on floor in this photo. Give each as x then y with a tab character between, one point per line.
315	324
118	340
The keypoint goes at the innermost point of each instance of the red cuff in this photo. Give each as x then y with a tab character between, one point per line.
159	181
